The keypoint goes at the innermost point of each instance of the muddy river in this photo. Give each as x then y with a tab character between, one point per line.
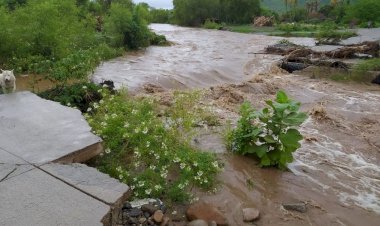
337	170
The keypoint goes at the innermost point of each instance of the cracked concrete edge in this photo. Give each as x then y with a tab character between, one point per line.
111	218
82	155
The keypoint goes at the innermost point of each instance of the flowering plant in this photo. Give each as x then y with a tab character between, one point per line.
269	134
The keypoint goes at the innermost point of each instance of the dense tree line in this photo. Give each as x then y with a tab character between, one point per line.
68	37
195	12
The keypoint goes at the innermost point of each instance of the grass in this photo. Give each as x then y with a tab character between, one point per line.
368	65
249	28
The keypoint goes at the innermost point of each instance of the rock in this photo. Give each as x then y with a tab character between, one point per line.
147	215
292	66
134	212
198	223
250	214
299	207
376	80
207	212
127	206
142	220
158	216
149	208
213	223
165	221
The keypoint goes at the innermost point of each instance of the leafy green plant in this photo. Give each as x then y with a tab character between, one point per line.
146	152
210	24
270	134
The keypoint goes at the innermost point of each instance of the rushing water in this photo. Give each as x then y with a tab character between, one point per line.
337	173
197	58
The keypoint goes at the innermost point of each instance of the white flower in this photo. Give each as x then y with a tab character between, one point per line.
270	132
215	164
275	137
107	151
134	111
258	143
182	165
137	130
68	104
147	144
152	167
200	173
271	148
157	156
141	184
132	187
157	187
126	125
121	176
195	164
101	101
181	186
145	131
114	115
89	109
84	87
176	159
118	169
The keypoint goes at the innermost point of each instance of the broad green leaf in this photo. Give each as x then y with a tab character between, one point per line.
279	107
254	133
269	139
282	97
261	150
291	139
295	119
265	161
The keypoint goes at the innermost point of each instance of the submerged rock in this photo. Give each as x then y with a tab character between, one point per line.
376	80
250	214
299	207
207	212
198	223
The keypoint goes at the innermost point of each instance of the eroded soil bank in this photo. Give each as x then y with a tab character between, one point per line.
336	172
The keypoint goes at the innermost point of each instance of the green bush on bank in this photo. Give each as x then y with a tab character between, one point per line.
67	39
271	134
148	152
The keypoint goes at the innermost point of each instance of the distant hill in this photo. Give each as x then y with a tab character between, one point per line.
279	5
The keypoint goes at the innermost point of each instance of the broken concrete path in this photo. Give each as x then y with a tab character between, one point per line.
34	133
41	131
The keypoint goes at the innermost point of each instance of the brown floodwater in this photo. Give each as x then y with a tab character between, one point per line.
198	58
336	172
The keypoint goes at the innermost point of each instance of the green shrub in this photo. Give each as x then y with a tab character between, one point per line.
158	40
148	152
269	134
79	95
126	27
210	24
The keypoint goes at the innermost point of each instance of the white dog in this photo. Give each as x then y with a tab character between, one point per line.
7	81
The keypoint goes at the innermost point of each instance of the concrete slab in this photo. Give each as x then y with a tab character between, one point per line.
36	198
41	131
91	181
11	166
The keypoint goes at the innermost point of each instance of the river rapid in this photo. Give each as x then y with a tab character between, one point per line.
337	170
